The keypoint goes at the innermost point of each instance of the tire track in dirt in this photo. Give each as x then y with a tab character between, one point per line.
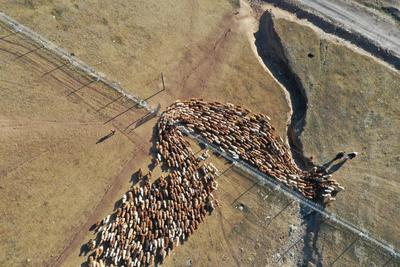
205	58
33	158
194	4
112	192
228	243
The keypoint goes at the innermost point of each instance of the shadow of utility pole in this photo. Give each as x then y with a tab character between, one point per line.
104	138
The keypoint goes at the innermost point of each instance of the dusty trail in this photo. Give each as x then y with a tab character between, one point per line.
204	59
194	76
221	220
112	192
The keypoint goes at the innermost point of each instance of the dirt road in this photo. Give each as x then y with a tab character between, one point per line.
112	192
360	20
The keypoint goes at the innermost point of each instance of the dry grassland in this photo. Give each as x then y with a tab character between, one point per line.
64	174
352	105
196	44
57	181
233	236
52	171
340	247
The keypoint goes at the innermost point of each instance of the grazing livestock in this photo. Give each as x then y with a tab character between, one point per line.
157	216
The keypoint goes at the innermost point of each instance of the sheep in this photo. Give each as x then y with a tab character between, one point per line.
90	261
156	216
106	219
92	244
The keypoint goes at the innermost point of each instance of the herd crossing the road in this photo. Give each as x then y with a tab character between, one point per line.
155	217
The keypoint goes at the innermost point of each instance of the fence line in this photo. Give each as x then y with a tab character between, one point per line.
21	29
35	37
296	196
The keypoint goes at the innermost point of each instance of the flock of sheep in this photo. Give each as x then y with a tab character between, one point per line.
157	216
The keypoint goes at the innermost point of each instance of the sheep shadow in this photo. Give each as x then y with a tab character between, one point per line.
85	250
134	180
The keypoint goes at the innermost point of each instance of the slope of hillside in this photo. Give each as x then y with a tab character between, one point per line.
351	106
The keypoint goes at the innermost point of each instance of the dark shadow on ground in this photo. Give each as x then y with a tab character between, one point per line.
84	250
104	138
311	252
271	51
337	166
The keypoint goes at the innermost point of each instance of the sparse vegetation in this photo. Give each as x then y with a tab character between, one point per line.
188	42
54	176
351	106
